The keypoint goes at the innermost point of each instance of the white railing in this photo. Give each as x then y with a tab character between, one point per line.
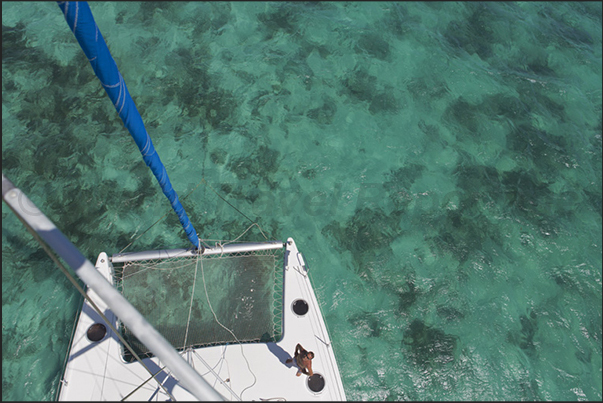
170	253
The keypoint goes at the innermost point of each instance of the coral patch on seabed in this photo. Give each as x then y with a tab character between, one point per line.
439	165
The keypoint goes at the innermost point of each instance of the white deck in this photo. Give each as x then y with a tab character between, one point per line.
96	371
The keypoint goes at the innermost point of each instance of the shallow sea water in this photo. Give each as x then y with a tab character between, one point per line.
438	164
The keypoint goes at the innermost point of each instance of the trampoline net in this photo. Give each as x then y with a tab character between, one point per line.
245	291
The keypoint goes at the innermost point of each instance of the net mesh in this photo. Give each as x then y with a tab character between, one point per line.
244	289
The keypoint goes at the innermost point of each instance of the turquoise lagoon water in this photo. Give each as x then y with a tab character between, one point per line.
439	165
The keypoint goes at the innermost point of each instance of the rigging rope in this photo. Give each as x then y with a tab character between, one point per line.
201	240
199	258
144	383
227	202
220	244
85	295
70	344
162	217
190	309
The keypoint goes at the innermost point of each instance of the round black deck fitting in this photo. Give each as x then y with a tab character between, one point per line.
316	382
300	307
96	332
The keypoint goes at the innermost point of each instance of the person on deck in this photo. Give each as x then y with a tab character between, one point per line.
303	359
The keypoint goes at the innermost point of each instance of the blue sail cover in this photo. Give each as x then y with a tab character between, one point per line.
82	24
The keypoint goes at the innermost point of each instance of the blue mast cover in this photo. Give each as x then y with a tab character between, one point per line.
82	24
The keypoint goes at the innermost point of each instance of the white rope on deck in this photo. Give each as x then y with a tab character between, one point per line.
190	309
200	259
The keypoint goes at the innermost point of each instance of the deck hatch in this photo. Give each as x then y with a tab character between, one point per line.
300	307
316	382
96	332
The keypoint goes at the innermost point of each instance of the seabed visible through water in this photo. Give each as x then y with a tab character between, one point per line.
438	164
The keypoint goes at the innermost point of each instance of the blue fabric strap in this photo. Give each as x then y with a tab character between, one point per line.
82	24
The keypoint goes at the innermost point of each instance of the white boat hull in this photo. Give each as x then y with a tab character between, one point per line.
97	371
